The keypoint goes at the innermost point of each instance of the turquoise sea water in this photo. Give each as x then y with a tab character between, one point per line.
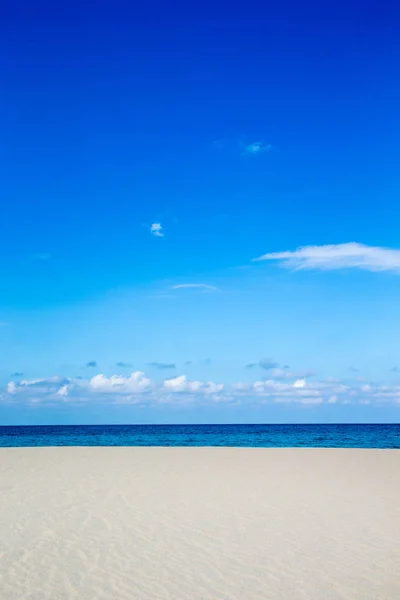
318	436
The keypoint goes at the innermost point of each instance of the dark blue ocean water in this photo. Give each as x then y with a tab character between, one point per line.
328	436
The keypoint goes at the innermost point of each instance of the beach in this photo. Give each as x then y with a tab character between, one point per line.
199	523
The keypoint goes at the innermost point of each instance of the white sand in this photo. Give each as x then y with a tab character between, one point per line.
199	523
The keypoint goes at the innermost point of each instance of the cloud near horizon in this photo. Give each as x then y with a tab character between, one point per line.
337	256
137	388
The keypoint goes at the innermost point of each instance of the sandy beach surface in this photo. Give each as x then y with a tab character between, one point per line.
199	523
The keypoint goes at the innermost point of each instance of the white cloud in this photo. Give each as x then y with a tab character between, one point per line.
312	400
11	387
279	373
63	391
156	229
182	384
213	388
39	390
256	148
338	256
204	286
300	383
53	383
244	147
135	383
137	388
366	388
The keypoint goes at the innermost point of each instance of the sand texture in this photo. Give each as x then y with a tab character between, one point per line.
199	523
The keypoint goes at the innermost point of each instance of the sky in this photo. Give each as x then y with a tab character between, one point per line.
200	216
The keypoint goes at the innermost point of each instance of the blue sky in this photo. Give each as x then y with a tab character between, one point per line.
148	156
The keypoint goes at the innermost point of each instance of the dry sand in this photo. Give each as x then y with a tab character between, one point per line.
199	523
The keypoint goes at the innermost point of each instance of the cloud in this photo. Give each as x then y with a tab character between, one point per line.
251	365
123	365
63	391
394	370
239	145
256	148
188	363
300	383
181	384
184	385
338	256
137	388
353	369
162	365
38	390
3	324
268	363
17	374
203	286
135	383
91	363
156	229
279	373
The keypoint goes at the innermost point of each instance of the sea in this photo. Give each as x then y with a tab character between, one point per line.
256	436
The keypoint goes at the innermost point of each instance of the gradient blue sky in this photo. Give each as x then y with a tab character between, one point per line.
148	155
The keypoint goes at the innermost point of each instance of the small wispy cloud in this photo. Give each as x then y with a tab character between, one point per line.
256	148
239	145
353	369
3	323
338	256
251	365
201	286
91	363
123	365
157	229
17	374
162	365
394	370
